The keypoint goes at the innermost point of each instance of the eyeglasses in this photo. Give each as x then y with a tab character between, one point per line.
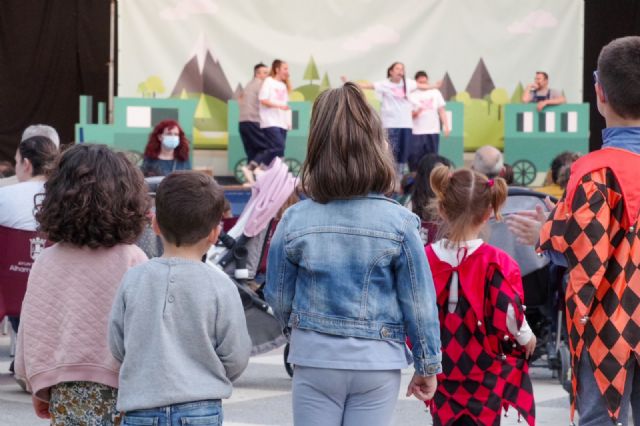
596	80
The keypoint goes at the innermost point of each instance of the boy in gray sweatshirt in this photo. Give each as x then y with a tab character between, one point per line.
177	324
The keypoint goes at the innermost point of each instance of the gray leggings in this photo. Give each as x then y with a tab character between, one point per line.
328	397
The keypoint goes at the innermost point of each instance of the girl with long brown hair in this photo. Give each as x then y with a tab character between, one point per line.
347	275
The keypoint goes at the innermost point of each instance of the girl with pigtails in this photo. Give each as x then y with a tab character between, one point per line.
486	340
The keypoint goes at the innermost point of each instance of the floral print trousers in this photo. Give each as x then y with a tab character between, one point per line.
83	404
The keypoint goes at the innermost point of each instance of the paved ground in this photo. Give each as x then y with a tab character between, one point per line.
262	397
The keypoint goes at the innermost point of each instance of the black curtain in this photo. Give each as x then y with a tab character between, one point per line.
603	22
50	53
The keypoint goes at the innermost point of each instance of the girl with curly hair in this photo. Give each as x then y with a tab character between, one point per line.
167	150
93	210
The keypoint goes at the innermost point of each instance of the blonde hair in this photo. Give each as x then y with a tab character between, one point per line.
463	198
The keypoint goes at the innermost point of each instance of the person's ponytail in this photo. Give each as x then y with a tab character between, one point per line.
499	191
440	178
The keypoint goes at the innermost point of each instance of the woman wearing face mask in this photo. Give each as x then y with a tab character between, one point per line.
167	150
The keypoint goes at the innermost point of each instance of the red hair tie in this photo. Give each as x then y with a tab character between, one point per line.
490	183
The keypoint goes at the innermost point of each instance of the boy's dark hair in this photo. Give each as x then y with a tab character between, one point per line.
189	205
40	151
420	74
619	75
93	197
347	154
256	67
544	74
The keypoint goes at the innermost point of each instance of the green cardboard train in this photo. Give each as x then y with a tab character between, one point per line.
531	138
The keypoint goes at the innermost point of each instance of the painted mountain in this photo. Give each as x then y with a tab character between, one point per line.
203	74
481	83
447	89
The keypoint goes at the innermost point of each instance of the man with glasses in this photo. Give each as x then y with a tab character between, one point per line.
539	92
595	226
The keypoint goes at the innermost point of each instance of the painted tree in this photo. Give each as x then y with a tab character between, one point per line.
463	97
311	72
142	89
516	97
325	84
151	87
154	85
499	97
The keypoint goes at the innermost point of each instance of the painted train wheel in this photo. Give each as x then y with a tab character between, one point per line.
237	170
524	172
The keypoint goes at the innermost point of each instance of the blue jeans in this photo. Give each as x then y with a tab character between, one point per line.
253	139
400	141
422	145
203	413
590	402
276	138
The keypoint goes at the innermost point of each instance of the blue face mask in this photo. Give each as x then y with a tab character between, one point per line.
170	141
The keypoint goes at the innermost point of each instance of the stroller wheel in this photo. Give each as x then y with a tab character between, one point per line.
287	366
564	375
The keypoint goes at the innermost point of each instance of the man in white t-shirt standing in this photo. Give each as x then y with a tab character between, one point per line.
275	114
428	113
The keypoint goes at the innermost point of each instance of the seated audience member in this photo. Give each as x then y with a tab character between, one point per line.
17	204
33	156
489	161
167	150
33	130
421	193
508	174
557	176
422	196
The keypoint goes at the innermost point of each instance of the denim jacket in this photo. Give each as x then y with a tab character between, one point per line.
355	268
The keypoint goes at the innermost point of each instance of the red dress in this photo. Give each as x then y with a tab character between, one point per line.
484	369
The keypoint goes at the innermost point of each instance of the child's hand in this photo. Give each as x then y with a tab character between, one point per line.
530	346
422	387
41	408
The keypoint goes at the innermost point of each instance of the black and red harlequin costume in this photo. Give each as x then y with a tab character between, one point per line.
596	227
484	369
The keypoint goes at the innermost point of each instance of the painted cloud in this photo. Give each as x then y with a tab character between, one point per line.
532	22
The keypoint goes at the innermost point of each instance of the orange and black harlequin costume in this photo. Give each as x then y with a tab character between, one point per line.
596	227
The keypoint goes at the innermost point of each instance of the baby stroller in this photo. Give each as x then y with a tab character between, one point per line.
243	248
543	288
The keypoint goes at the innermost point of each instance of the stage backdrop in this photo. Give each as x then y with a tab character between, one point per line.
485	51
